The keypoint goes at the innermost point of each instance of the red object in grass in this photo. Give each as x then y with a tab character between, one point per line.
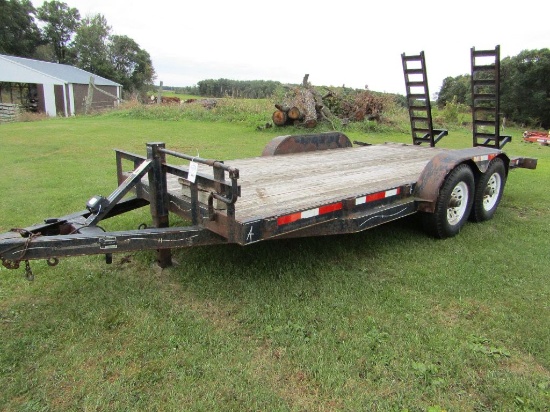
540	137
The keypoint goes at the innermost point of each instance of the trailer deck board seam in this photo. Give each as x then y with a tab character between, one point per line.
275	185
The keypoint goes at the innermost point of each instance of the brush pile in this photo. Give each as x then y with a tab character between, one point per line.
305	106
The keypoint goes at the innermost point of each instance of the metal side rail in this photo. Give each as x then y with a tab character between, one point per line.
79	234
358	221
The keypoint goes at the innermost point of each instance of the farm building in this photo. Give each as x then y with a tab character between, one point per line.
55	89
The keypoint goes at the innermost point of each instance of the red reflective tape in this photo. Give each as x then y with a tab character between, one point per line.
375	196
330	208
285	220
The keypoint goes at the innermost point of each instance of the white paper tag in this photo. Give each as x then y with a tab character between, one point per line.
192	176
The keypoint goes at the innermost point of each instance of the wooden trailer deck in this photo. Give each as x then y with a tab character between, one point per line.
275	185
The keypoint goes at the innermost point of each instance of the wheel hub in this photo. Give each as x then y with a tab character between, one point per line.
456	208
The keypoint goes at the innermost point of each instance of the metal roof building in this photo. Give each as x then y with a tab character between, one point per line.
57	88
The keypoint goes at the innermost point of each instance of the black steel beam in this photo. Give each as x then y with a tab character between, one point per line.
48	247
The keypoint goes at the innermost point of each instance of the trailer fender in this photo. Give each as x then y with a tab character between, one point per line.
432	177
306	143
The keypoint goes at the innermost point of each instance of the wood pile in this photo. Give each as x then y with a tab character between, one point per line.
301	106
206	103
357	106
304	106
165	100
8	112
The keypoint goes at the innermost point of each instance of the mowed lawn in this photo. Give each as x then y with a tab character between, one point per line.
384	320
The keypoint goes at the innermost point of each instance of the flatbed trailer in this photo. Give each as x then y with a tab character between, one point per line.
308	185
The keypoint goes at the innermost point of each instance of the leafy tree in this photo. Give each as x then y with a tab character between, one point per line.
45	52
19	34
61	23
252	89
115	57
525	87
91	48
455	89
132	66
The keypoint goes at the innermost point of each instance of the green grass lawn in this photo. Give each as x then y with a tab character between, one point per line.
384	320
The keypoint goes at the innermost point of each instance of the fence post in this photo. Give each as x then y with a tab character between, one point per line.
159	201
90	96
159	97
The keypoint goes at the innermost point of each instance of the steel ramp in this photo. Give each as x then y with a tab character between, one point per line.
485	85
418	100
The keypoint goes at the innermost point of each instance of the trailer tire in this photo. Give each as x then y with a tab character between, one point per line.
488	191
453	204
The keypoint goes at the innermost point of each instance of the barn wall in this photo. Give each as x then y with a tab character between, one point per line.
80	91
100	101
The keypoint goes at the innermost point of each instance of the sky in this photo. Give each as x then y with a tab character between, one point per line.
353	43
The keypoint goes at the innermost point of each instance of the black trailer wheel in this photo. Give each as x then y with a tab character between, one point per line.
453	204
488	191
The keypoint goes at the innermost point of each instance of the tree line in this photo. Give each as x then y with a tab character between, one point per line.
64	37
524	88
246	89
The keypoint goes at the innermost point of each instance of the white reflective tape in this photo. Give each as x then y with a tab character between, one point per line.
481	158
392	192
361	200
310	213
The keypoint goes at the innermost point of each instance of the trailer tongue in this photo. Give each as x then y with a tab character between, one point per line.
320	186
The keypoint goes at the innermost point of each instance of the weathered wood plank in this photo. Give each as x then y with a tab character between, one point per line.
281	184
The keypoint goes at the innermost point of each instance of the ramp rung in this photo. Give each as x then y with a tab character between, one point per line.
484	68
485	122
417	96
488	136
484	53
485	109
484	82
414	71
421	130
416	84
412	58
485	96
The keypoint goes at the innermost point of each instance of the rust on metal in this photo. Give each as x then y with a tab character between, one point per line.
432	177
306	143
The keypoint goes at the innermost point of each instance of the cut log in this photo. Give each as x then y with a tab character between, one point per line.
303	106
311	123
294	113
279	118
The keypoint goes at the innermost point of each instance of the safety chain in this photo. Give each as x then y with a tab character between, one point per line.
28	271
14	263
